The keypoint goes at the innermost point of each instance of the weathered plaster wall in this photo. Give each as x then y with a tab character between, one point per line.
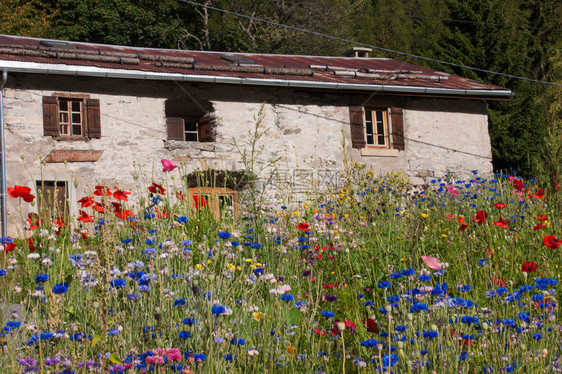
303	135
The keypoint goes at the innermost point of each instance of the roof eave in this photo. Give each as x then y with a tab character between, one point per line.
92	71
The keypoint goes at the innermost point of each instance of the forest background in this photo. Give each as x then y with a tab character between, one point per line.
521	38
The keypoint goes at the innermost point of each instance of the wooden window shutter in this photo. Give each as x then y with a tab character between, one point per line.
205	129
93	117
357	127
176	128
397	128
50	116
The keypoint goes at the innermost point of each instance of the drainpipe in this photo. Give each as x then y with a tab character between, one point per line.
3	194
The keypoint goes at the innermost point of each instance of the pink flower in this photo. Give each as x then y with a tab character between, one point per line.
154	360
174	354
432	262
168	165
453	191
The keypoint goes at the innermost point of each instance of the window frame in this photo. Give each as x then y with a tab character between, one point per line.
177	128
375	128
90	122
394	128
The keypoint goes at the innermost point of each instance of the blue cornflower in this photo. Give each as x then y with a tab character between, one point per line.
229	357
3	272
483	263
185	335
182	219
113	332
430	334
189	321
224	235
42	278
287	297
60	288
424	278
218	310
327	314
179	302
395	276
537	336
418	307
118	283
463	356
383	285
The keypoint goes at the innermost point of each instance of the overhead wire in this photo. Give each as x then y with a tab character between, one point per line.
503	25
370	46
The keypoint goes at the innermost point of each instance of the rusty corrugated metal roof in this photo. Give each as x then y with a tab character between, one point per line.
339	70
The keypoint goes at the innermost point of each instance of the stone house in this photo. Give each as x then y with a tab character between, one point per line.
82	114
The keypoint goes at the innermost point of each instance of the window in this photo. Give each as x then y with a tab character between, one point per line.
376	128
190	129
372	128
219	199
52	198
71	117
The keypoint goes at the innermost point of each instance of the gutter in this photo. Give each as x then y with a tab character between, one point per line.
92	71
3	195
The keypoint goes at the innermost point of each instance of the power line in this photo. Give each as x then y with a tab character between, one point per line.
432	18
371	46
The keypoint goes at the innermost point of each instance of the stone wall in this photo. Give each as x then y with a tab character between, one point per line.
303	135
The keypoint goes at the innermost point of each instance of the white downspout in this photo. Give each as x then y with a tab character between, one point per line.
3	195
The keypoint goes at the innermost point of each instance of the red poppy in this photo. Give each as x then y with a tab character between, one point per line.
517	184
490	252
32	219
180	195
499	205
84	217
97	207
551	242
449	217
86	201
31	244
60	223
462	224
21	191
124	214
528	267
540	217
539	226
501	223
157	188
120	194
303	226
9	247
371	325
200	202
539	194
85	235
499	281
481	216
102	190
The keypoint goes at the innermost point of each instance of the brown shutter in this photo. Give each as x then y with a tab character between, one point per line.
50	116
93	118
397	128
357	127
176	128
205	129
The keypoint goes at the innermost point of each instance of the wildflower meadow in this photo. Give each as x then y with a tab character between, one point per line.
456	276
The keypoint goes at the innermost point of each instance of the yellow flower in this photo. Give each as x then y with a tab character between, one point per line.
296	213
278	214
249	260
424	215
444	235
198	266
258	316
239	268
